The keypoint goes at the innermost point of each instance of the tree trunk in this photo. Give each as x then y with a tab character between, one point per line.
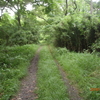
66	7
91	7
75	5
18	14
19	19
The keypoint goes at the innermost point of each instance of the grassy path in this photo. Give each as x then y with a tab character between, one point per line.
50	84
72	90
46	79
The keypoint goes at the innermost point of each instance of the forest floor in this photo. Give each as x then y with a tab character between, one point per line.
28	84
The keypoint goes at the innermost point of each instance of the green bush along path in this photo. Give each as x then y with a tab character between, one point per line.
14	62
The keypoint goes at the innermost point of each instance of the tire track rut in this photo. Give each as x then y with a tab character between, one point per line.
72	90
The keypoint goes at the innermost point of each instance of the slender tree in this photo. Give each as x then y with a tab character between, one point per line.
66	7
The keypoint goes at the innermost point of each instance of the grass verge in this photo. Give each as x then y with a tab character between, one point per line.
49	82
14	62
83	69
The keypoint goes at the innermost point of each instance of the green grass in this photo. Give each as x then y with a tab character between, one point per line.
49	82
83	69
14	62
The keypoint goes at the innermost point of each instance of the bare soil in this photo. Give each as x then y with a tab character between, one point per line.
28	84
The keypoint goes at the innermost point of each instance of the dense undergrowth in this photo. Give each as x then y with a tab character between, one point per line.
49	82
14	62
77	32
83	69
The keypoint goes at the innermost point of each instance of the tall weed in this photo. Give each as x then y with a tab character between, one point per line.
83	69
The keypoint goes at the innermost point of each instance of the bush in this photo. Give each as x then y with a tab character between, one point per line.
22	37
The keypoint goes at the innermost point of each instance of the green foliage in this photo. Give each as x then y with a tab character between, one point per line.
10	34
7	28
14	62
49	82
96	46
77	32
83	69
22	37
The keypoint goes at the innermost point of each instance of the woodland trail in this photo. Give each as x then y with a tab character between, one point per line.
28	85
72	90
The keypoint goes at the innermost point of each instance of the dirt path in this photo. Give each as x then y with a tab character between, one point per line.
28	85
72	90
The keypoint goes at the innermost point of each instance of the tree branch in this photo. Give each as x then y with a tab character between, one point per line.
42	18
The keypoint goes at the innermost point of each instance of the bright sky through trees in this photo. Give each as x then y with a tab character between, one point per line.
96	0
29	7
